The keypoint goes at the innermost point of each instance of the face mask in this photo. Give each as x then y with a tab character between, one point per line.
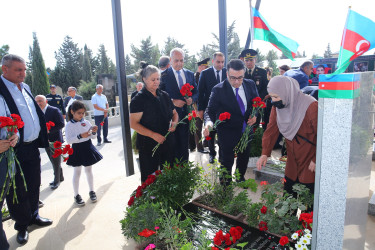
279	104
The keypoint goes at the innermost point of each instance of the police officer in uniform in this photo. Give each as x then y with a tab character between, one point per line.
56	100
253	72
195	138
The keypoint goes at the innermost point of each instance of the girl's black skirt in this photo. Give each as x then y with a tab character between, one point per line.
84	154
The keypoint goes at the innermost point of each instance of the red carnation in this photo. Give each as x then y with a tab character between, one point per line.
264	183
222	117
57	153
158	172
263	210
146	233
208	138
263	226
262	105
227	239
138	193
51	123
57	144
194	113
131	201
214	248
217	241
257	99
70	151
102	124
284	240
190	116
66	158
5	121
227	114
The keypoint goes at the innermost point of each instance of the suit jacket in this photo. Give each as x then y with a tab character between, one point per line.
259	76
222	100
67	99
169	85
42	139
207	81
54	115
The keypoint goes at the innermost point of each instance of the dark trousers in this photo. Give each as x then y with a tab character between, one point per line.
197	136
211	143
98	120
182	142
149	164
56	164
3	171
226	158
27	208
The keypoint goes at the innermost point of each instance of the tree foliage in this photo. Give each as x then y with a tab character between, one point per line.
328	52
40	84
86	65
103	60
4	49
146	52
271	57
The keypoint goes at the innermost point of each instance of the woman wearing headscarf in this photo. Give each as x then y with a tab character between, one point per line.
152	115
295	116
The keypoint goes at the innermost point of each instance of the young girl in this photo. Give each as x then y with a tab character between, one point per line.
79	133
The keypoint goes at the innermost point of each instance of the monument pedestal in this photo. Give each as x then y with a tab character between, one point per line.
343	162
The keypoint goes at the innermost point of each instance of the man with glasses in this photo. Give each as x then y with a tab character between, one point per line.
71	98
233	95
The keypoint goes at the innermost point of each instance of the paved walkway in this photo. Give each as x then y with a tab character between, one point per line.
96	225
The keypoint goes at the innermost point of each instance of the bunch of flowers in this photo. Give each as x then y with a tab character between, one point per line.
12	125
235	233
186	93
303	239
60	149
222	118
258	107
139	191
49	125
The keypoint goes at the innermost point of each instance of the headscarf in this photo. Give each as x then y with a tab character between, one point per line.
289	118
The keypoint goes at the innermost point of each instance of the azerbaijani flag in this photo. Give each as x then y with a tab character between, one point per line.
358	37
262	31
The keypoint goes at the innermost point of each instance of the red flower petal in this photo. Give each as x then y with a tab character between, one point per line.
146	233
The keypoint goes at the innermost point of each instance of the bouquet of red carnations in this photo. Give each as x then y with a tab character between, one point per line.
186	93
12	125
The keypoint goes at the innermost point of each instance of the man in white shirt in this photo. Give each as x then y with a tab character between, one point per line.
100	103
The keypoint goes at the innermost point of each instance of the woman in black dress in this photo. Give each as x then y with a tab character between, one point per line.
152	115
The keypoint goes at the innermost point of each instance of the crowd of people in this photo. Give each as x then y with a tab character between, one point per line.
156	108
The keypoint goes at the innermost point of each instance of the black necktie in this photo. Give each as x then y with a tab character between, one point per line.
217	76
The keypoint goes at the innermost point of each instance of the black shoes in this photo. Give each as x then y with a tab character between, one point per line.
79	201
42	222
106	141
99	143
54	185
40	204
212	159
93	196
203	151
22	237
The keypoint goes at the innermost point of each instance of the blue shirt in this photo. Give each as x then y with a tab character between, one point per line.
101	101
299	76
27	109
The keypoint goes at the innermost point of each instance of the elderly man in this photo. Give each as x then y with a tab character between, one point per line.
33	135
210	78
171	82
72	96
139	86
233	95
52	114
100	103
164	63
302	74
56	100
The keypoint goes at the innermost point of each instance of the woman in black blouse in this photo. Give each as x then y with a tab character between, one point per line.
152	115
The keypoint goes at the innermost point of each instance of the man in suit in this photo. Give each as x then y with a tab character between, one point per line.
139	86
195	138
72	96
33	135
171	82
52	114
164	63
56	100
233	95
208	79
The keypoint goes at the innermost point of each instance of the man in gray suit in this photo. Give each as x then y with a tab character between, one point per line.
71	98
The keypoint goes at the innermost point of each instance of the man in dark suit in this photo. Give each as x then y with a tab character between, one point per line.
32	136
208	79
233	95
195	138
72	96
171	82
52	114
139	86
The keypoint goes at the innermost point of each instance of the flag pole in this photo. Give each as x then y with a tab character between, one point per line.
343	37
251	25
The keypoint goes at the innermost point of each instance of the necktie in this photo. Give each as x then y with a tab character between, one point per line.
218	76
242	107
180	80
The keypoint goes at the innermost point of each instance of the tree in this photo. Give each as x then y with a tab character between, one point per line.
40	84
103	60
147	52
29	75
68	70
86	66
315	56
206	51
170	44
129	67
328	52
3	51
260	57
271	57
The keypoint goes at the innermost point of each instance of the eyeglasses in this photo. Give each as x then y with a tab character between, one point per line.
233	78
